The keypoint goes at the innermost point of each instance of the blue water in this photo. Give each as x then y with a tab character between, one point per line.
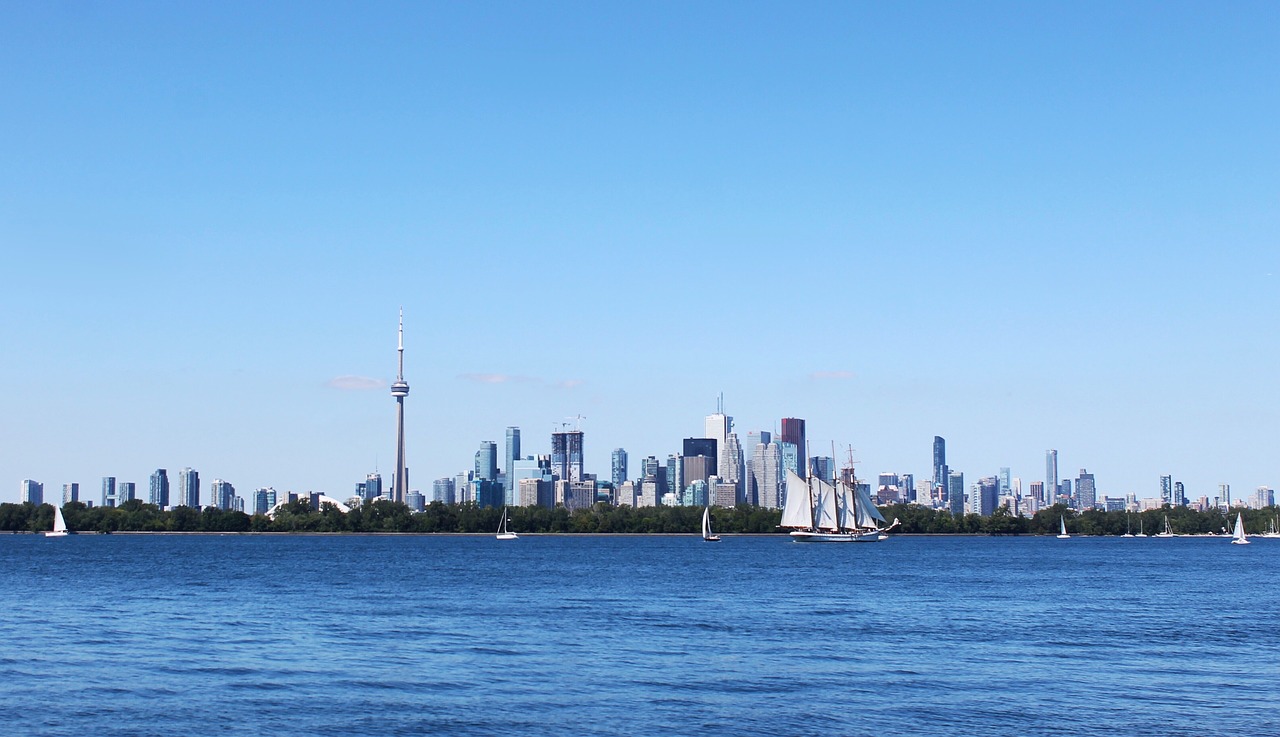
554	635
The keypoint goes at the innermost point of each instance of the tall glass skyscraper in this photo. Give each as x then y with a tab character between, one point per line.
108	491
1050	478
487	461
188	488
510	456
566	455
159	488
618	467
793	432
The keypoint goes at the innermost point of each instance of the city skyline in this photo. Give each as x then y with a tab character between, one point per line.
1015	227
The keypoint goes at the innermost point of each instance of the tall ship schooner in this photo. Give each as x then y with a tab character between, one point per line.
817	511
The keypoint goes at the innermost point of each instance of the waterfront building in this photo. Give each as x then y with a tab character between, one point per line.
618	466
730	468
222	494
188	488
159	491
695	494
824	468
70	493
766	467
416	500
1050	477
675	474
1005	480
722	492
566	455
1112	505
1064	491
940	470
372	487
462	487
649	467
264	500
444	491
486	468
580	494
126	491
625	494
750	489
790	454
1166	490
32	492
793	432
955	493
1224	493
108	491
698	468
982	496
488	493
1179	494
532	467
717	428
1086	491
924	493
1264	497
510	455
648	496
537	492
705	447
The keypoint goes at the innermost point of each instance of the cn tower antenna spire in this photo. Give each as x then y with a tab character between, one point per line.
400	390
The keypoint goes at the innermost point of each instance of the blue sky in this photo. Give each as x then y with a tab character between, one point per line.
1017	225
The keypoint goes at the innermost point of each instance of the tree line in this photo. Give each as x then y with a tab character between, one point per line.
385	516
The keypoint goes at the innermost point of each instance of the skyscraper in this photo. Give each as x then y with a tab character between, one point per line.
372	486
618	467
222	494
70	493
731	459
1166	490
188	488
1086	492
400	390
940	470
1050	477
717	428
487	461
32	492
159	495
793	432
510	456
955	493
767	471
566	455
126	491
108	491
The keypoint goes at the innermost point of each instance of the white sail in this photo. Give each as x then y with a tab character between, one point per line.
867	512
1239	534
706	522
825	510
59	522
797	511
848	517
1062	525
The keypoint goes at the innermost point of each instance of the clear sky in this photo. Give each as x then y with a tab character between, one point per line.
1017	225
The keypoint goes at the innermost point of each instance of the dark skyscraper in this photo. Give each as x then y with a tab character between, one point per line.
400	390
793	432
159	488
940	470
702	447
487	461
566	455
619	467
108	491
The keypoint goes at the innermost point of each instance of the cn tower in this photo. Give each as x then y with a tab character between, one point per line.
400	390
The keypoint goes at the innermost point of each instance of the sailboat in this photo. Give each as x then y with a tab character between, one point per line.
1168	531
59	524
817	511
1272	530
706	527
503	532
1127	533
1140	532
1238	537
1062	525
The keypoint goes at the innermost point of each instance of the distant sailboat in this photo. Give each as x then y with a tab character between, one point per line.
1273	528
1140	532
1238	537
59	524
1168	531
1062	526
1127	533
706	527
503	532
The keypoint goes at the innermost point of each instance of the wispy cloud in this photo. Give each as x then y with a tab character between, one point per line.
496	378
830	375
570	383
355	383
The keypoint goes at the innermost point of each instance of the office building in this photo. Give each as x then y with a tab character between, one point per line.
730	468
1179	494
264	500
1263	497
126	491
717	427
674	475
566	455
188	488
509	458
70	493
955	493
983	496
824	468
443	491
32	492
1064	490
159	491
940	470
222	494
618	466
108	491
766	468
793	432
1050	477
486	468
1086	492
415	500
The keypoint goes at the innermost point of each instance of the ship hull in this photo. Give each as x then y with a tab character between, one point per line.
809	536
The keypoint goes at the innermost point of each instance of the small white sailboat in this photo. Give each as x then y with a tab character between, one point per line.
1168	531
1062	526
503	532
1127	532
706	527
59	524
1238	537
1140	532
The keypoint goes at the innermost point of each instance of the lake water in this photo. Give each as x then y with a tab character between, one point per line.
554	635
